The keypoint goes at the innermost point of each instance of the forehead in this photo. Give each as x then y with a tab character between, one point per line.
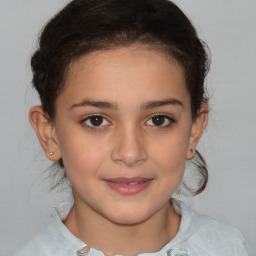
136	71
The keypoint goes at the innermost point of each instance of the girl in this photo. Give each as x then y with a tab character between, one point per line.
123	107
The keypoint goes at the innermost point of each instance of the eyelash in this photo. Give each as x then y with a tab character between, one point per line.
170	120
92	127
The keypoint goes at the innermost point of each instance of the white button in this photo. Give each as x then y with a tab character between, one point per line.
178	252
84	251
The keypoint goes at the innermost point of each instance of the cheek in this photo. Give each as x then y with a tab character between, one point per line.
82	157
170	152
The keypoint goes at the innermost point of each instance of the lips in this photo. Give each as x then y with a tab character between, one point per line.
128	186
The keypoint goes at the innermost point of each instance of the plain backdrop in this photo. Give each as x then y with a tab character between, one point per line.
229	144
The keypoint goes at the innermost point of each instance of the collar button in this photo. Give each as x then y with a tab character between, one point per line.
83	251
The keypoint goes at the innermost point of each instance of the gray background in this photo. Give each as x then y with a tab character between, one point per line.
229	144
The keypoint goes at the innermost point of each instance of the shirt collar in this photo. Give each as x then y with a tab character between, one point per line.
61	235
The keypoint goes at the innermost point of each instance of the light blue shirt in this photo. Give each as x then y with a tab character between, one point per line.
199	235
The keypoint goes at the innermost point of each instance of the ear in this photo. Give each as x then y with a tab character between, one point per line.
197	129
46	132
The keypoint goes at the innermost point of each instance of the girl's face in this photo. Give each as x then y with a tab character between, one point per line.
124	130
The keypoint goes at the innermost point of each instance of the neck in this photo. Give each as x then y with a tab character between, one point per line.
129	240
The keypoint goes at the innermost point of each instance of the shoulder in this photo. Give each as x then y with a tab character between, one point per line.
53	239
32	248
216	232
210	235
221	238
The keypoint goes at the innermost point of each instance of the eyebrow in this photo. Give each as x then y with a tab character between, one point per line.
98	104
160	103
113	105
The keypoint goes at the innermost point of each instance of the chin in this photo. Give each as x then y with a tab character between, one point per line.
127	220
128	216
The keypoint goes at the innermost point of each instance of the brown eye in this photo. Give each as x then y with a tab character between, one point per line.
95	121
160	121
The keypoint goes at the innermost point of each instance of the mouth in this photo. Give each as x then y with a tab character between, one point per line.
128	186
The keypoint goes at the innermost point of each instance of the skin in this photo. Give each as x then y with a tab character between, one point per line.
128	143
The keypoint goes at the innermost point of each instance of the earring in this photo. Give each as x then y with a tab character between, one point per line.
51	153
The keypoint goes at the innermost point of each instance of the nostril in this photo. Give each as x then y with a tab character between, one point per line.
129	152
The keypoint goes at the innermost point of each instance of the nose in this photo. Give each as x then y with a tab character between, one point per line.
130	148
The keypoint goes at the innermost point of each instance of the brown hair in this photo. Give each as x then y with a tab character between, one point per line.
84	26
